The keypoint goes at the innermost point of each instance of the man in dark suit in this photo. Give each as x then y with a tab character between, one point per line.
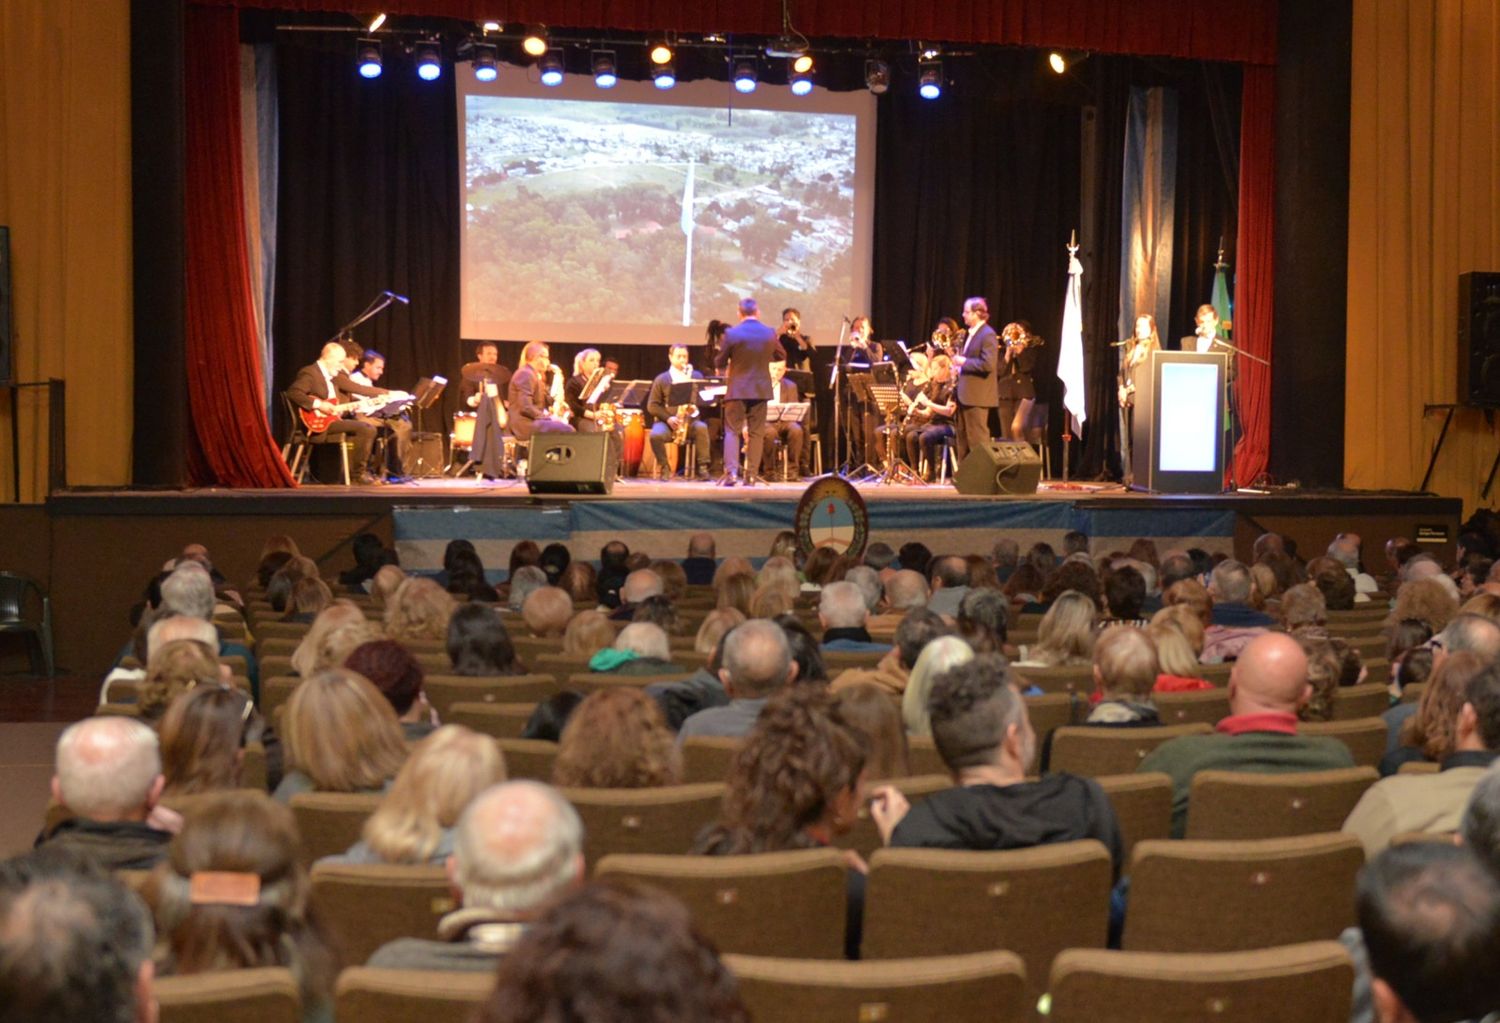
665	421
529	408
783	392
977	390
324	384
748	350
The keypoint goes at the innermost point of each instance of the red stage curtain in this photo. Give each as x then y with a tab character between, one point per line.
224	368
1255	268
1234	30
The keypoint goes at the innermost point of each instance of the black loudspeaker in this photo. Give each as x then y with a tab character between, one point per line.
570	463
999	467
1479	339
425	457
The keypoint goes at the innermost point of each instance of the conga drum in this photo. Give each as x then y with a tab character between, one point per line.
463	431
635	440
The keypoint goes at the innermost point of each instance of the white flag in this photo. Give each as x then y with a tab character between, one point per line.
1070	354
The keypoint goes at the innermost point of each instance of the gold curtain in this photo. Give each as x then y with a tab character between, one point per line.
65	194
1424	206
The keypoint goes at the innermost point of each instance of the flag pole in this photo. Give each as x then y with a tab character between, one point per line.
1068	416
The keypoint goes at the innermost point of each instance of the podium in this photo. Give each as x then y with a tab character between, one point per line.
1180	418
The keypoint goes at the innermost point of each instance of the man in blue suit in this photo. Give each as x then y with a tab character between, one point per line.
746	355
978	391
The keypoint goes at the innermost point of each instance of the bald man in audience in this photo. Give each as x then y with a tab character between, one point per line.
701	561
109	777
547	610
518	846
843	612
904	591
757	662
950	583
1267	686
638	586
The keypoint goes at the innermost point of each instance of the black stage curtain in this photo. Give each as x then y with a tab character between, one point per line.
976	195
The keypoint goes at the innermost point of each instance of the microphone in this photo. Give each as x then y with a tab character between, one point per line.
399	298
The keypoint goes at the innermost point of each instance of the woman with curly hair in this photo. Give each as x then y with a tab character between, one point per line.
309	596
1428	599
614	952
796	783
307	658
419	610
175	668
341	735
232	895
617	739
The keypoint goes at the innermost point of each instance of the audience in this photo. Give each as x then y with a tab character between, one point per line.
982	620
640	649
869	710
588	633
109	779
523	582
479	644
842	610
937	656
757	662
701	560
547	610
399	677
950	582
466	577
341	735
1234	623
517	847
617	739
419	610
203	735
174	668
1428	735
580	580
638	585
1066	634
612	572
918	628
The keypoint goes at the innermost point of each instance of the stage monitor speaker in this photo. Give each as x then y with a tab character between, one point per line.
999	467
570	463
425	455
1479	339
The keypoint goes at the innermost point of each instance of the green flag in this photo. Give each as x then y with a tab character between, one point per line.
1222	304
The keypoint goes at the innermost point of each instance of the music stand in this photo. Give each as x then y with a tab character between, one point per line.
860	384
896	352
885	387
426	394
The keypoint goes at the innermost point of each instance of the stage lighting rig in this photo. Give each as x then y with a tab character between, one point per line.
801	82
551	67
485	58
535	42
746	75
375	23
429	57
661	52
367	58
1063	61
930	79
664	76
605	74
877	76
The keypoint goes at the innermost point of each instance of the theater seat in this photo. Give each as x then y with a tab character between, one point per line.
707	757
330	822
1094	752
443	691
497	720
366	905
263	995
661	820
1234	804
368	995
1143	807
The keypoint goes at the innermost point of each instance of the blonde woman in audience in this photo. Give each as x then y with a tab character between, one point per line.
341	612
673	578
731	567
1485	605
341	735
420	610
1178	638
546	611
782	573
385	583
175	668
279	543
310	595
784	545
1066	635
581	580
715	625
936	658
1194	595
1264	589
617	739
587	634
870	710
415	820
770	601
202	740
735	591
258	913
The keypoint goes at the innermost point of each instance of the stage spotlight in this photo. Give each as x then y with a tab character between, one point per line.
745	76
491	26
665	76
551	66
802	83
661	53
367	58
605	75
802	64
1057	62
535	43
930	79
376	22
429	57
877	76
486	62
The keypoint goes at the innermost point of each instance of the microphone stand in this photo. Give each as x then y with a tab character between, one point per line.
1233	402
382	302
839	468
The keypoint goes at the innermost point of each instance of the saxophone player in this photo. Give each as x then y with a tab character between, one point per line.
670	422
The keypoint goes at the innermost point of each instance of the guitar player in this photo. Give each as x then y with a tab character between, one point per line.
326	383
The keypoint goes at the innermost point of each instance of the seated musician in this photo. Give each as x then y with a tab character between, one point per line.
530	405
583	400
947	338
323	387
371	369
930	421
485	367
783	392
862	418
669	422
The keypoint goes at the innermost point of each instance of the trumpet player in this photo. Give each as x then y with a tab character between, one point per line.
1017	390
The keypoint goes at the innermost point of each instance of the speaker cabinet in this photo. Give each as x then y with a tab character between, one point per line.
570	463
999	467
1479	339
425	456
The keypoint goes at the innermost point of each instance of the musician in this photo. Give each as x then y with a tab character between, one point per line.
792	435
1016	389
713	339
371	369
665	421
945	336
930	421
977	388
750	347
530	407
326	383
862	418
797	345
485	367
584	406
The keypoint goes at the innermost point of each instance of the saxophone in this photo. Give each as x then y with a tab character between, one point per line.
684	422
604	417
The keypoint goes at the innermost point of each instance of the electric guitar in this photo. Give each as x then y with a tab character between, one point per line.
317	422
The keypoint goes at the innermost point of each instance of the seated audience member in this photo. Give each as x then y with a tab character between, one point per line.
1125	671
638	585
1404	638
1178	635
523	582
384	585
203	735
551	716
869	710
818	568
370	556
1479	831
1304	611
1191	594
716	624
1432	599
641	648
580	580
701	560
419	610
659	611
1078	576
981	573
189	591
1024	587
735	591
587	633
918	628
257	913
547	611
451	551
612	573
674	582
479	644
950	582
174	668
1234	622
554	561
268	566
1428	936
1345	550
868	581
780	572
1465	632
109	778
518	846
915	556
880	556
784	545
617	739
795	784
1267	686
983	734
614	951
1428	735
525	554
308	597
466	578
415	820
399	677
1006	557
757	662
1435	802
1335	585
806	654
279	588
842	611
1125	595
769	602
904	590
982	620
1042	557
340	614
1324	670
1065	636
703	689
75	944
937	657
340	735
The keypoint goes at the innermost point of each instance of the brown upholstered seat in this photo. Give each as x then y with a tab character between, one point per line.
399	996
707	757
366	905
922	756
1207	706
443	691
499	720
864	836
1072	679
1365	737
1236	804
264	995
1094	752
1366	700
528	758
660	821
330	822
1143	807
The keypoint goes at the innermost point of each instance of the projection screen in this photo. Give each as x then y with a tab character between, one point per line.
634	215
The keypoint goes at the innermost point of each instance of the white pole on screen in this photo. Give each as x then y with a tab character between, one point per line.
687	231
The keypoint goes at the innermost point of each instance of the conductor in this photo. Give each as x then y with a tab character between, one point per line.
746	355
